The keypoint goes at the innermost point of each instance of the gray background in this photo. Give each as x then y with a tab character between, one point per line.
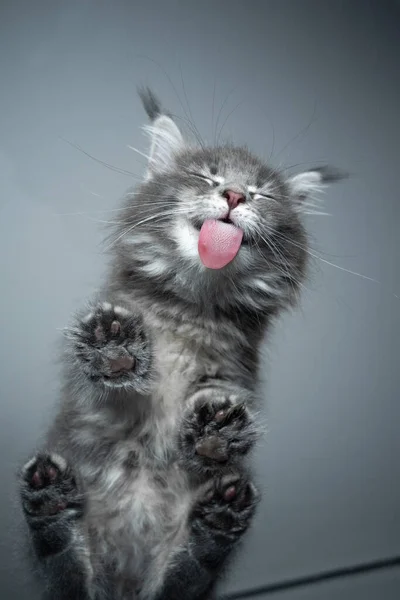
307	82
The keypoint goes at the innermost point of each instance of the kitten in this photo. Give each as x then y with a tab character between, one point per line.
142	490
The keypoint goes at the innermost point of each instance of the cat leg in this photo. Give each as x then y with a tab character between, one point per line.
53	508
217	430
108	348
218	520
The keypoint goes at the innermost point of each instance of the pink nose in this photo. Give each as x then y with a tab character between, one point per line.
233	198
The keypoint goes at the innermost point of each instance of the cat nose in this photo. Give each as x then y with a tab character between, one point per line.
233	198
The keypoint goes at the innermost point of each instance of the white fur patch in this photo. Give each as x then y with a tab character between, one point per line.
29	464
187	239
119	310
139	238
59	461
157	267
262	285
111	477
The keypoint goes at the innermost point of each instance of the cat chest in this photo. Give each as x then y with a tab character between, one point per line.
184	356
177	364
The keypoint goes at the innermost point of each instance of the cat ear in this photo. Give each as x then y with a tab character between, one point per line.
312	182
166	142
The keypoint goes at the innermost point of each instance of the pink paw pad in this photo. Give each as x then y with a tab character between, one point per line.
37	481
230	493
220	416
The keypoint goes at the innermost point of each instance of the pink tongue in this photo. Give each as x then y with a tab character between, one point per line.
219	243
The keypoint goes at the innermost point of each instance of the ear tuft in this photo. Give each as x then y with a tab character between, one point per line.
151	103
166	138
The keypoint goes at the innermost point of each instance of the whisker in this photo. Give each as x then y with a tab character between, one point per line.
316	213
159	216
189	122
301	132
125	232
327	262
198	136
101	162
89	212
107	210
227	118
220	113
91	192
139	152
305	164
191	127
213	104
107	222
310	204
278	254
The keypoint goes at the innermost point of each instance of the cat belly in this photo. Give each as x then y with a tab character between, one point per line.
136	525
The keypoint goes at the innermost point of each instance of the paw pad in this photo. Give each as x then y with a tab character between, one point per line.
227	504
49	487
112	347
216	431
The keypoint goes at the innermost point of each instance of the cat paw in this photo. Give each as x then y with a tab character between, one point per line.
216	432
226	506
49	488
112	348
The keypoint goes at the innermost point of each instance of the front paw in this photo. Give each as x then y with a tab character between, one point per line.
49	488
216	431
226	506
111	347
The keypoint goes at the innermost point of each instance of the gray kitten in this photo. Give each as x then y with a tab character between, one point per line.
142	489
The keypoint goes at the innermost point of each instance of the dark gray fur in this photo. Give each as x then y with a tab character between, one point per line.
142	490
151	103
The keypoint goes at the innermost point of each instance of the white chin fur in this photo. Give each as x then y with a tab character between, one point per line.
187	239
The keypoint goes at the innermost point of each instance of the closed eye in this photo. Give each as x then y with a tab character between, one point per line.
258	195
210	181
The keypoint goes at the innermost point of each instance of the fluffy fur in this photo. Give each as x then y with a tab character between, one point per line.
142	490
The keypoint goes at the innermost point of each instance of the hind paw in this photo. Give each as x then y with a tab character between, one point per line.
227	505
216	431
49	488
